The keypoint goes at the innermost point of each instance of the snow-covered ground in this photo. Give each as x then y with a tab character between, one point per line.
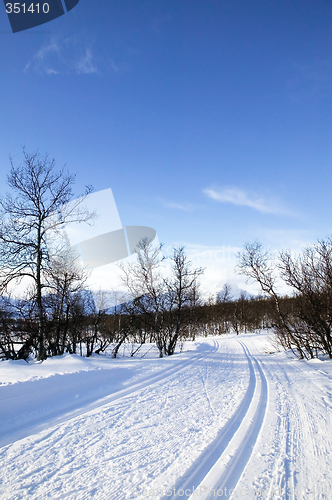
222	419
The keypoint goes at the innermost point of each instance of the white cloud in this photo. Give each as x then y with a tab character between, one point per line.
60	55
187	207
50	47
51	71
237	196
85	64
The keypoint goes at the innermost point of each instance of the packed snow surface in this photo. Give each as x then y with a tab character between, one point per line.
225	418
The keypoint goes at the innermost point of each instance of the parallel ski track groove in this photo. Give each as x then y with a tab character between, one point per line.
200	468
238	463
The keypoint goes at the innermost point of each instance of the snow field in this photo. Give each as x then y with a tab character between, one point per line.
223	418
292	456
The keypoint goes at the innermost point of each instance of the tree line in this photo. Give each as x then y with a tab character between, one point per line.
303	320
74	324
58	314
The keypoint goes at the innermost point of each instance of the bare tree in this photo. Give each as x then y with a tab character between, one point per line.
310	275
64	279
35	211
144	279
257	264
182	286
7	340
303	323
225	294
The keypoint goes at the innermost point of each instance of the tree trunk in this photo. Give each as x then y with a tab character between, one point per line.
41	355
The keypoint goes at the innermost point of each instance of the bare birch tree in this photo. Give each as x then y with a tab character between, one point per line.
36	209
181	287
144	279
304	322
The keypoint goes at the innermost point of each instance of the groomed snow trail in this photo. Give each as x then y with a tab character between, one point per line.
230	422
58	400
222	463
118	449
292	455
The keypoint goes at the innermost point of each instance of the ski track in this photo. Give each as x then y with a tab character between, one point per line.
209	474
233	420
113	451
283	476
244	450
293	463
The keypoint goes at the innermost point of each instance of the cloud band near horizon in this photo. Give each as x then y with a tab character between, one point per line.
239	197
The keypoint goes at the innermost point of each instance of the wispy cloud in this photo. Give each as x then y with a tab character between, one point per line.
186	207
38	61
60	55
85	64
237	196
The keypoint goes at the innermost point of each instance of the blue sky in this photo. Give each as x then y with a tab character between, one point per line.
210	120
